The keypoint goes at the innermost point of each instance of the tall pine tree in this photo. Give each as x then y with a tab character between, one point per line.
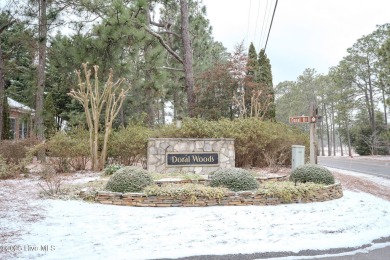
265	78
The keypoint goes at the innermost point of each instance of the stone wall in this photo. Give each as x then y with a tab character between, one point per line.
158	148
330	192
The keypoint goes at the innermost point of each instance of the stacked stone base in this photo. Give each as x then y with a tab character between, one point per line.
242	198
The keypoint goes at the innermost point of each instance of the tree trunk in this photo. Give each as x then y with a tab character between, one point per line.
327	131
340	140
322	138
2	93
348	138
39	95
384	104
188	69
333	129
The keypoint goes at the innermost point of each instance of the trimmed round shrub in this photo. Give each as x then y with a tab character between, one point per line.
234	179
312	173
129	179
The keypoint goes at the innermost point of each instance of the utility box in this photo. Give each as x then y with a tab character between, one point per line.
298	156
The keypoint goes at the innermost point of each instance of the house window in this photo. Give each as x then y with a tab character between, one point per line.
23	129
13	126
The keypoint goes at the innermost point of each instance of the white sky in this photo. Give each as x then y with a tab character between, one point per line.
305	33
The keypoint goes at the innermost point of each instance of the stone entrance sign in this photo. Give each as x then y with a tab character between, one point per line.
166	155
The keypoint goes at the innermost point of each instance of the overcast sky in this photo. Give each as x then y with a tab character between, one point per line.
305	33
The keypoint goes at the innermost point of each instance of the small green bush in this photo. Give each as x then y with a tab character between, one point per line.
129	179
235	179
312	173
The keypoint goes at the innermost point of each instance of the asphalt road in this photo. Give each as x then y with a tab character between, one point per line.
379	168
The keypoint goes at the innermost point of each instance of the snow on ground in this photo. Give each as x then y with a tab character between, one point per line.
378	180
81	230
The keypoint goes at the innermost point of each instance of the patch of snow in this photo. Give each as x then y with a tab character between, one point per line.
81	230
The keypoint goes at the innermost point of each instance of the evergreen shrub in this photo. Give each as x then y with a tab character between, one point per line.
128	146
129	179
234	179
69	151
312	173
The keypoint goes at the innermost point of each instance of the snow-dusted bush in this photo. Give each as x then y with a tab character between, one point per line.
312	173
129	179
234	179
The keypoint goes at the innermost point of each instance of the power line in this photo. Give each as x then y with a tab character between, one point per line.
249	19
273	15
264	23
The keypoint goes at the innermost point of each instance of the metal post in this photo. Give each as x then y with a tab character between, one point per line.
313	141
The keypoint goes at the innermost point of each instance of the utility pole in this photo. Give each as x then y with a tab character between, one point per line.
313	132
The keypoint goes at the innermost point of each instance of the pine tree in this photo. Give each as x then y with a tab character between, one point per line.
251	79
49	116
265	78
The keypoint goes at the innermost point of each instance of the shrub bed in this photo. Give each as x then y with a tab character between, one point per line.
191	195
190	191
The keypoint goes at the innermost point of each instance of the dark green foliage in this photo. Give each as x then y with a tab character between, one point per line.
312	173
17	43
129	179
265	78
234	179
6	133
49	114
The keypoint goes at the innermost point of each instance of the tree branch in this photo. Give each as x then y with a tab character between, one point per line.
164	44
169	32
169	68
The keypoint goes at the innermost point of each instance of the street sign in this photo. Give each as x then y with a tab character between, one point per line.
302	119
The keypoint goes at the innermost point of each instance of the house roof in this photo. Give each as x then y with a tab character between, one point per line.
13	104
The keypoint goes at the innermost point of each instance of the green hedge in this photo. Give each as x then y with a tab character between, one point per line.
257	143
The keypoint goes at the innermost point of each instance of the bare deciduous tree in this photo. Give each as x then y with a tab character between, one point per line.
94	100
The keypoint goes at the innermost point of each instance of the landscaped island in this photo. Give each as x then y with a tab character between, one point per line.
131	186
